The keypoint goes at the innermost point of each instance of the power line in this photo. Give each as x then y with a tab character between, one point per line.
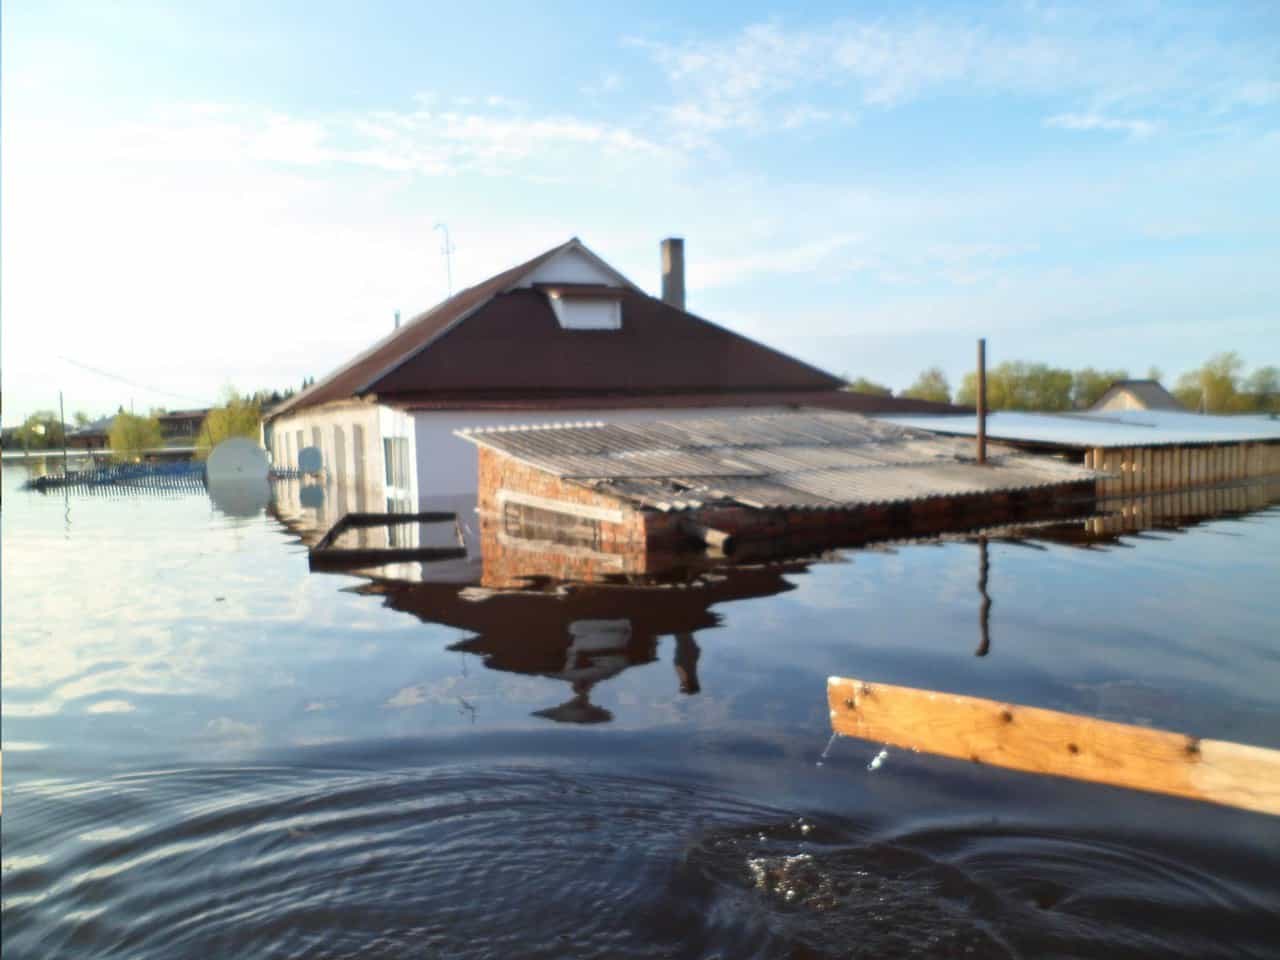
126	380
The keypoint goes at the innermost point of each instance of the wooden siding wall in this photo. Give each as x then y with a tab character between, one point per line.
1154	469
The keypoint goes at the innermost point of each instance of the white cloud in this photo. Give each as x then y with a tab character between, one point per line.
756	78
1136	129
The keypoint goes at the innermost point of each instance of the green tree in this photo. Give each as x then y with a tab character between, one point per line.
930	385
82	419
1262	390
41	431
1155	373
863	385
131	435
237	417
1088	385
1214	387
1016	385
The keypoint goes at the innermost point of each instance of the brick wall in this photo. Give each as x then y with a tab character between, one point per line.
642	539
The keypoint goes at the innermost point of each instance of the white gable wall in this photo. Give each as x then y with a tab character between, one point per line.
572	266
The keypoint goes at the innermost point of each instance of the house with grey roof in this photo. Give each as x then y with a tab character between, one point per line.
1137	395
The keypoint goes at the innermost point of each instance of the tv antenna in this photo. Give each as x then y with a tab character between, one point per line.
447	249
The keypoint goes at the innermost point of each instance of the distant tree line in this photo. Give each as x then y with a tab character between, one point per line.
1218	386
130	434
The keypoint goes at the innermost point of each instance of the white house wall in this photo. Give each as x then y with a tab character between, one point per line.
572	266
350	439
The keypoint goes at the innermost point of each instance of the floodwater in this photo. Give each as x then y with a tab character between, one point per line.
210	751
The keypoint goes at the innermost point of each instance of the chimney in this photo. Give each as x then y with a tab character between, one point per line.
673	272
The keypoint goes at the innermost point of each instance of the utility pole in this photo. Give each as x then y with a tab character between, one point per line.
62	418
982	401
447	249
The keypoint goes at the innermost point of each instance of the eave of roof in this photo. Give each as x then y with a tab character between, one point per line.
840	400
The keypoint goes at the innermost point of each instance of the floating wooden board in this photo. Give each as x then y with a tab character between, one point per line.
1057	744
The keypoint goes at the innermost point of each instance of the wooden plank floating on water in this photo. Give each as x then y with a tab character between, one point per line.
1057	744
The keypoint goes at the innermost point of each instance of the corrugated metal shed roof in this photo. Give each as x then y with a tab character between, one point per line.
1128	428
807	460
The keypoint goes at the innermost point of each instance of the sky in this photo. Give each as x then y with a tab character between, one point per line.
205	195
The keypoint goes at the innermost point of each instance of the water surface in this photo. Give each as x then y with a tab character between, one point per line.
211	751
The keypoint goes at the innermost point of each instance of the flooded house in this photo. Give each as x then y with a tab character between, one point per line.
633	492
561	337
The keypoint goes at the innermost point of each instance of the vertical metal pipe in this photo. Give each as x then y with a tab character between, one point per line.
982	401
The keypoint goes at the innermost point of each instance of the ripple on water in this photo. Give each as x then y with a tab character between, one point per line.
525	861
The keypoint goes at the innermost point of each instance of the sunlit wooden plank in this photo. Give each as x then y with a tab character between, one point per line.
1057	744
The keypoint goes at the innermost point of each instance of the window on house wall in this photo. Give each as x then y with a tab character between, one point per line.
301	444
395	459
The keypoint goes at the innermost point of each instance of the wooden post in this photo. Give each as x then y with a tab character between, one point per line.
982	400
62	418
1057	744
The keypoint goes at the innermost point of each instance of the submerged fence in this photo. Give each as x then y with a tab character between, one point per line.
129	478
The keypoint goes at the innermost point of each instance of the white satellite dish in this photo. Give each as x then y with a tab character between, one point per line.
310	460
236	475
237	458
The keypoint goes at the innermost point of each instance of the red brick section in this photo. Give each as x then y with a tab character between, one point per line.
646	540
624	548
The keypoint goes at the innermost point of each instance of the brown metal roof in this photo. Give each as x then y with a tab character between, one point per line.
353	377
515	343
783	461
492	343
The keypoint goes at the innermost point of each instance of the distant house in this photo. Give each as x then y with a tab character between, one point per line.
561	337
1137	395
179	427
92	436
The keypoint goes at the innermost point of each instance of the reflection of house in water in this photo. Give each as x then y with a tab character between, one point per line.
586	635
531	622
1163	511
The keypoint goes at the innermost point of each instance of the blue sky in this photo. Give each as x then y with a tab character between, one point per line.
198	195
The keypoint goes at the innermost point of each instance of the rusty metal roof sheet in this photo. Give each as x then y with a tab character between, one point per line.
788	460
